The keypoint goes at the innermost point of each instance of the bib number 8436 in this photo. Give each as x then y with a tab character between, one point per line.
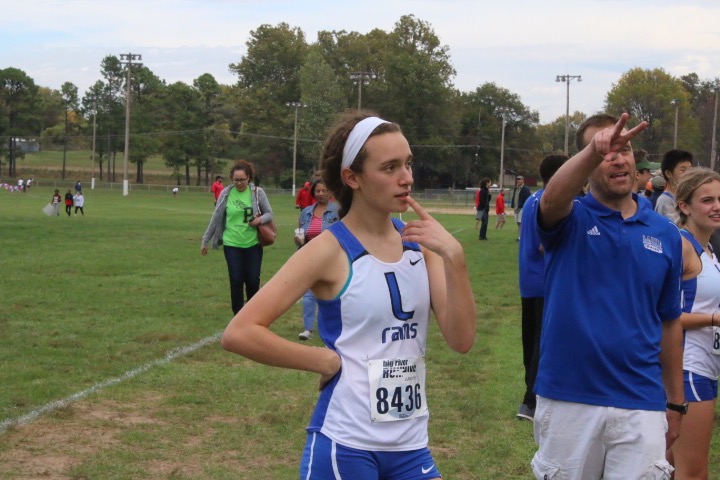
405	399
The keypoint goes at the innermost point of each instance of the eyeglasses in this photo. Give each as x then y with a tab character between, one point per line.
240	180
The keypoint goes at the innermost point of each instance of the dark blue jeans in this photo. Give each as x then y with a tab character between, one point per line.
484	225
244	270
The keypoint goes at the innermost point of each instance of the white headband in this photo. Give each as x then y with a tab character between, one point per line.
357	138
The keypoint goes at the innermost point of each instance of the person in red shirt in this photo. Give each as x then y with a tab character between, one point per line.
500	209
217	187
304	198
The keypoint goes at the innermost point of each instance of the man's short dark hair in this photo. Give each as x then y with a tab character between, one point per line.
549	165
672	158
218	177
598	120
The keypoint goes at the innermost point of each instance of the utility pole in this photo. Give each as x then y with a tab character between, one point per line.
127	59
675	102
360	78
296	106
567	79
92	169
65	139
713	143
502	147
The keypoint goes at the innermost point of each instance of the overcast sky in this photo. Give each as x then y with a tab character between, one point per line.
521	45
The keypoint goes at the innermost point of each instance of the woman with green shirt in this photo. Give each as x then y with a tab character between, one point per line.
240	208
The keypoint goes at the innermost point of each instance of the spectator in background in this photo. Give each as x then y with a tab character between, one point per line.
56	199
482	207
303	198
78	186
79	200
240	208
642	171
674	165
500	209
519	196
658	184
312	222
531	271
68	202
217	188
21	184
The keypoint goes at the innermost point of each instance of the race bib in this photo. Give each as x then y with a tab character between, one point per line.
716	341
397	390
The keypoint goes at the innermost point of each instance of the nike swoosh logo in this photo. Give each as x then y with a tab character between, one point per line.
426	470
415	262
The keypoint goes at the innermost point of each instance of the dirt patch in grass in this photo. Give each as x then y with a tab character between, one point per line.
52	446
144	435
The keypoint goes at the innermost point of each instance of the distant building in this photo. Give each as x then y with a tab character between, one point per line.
509	179
26	145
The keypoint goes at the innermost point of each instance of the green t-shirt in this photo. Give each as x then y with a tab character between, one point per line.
238	212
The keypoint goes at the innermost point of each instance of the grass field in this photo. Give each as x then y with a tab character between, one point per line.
110	366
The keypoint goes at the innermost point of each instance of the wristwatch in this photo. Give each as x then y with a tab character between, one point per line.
682	408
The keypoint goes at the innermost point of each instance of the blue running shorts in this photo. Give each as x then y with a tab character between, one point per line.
324	459
699	388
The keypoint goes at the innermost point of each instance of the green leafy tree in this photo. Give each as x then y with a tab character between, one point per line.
703	94
50	107
184	141
98	103
323	98
111	112
18	103
146	91
648	95
216	135
414	88
268	78
69	93
552	135
481	128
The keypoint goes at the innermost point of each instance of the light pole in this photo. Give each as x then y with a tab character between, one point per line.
713	144
296	106
128	59
675	102
502	148
567	79
361	78
92	169
65	138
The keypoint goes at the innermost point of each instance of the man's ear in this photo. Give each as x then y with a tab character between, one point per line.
349	178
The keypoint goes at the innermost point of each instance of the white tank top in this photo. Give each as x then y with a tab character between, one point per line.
702	295
378	325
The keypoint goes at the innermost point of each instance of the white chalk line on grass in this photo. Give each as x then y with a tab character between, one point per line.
58	404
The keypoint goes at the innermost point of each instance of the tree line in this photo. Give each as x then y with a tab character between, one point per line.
404	74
